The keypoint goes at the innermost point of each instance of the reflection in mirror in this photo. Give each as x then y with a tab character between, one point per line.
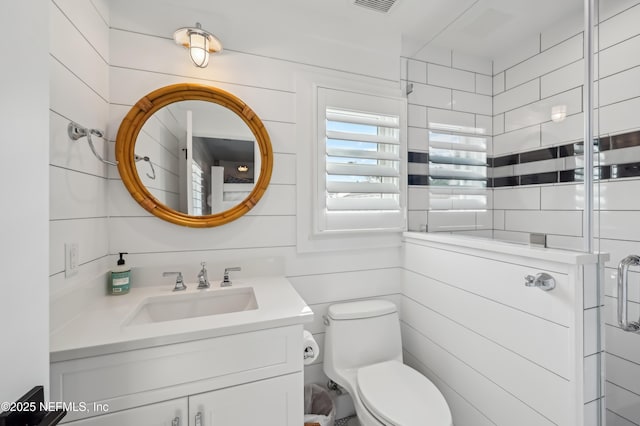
204	157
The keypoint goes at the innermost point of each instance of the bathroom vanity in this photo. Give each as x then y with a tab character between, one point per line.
147	359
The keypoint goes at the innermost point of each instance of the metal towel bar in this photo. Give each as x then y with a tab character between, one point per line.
623	293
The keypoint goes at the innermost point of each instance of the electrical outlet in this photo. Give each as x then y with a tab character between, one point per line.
71	259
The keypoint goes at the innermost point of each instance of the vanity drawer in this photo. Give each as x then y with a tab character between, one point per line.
132	378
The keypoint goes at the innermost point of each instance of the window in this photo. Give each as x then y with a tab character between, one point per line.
197	177
457	171
360	164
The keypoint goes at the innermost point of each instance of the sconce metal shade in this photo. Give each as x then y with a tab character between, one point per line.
201	43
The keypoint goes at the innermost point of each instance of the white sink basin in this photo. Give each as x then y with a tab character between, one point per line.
190	305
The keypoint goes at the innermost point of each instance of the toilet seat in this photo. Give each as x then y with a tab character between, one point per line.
400	396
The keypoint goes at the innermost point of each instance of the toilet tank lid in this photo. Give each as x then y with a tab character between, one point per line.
361	309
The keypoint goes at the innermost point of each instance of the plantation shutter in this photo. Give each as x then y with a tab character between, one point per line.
457	172
360	162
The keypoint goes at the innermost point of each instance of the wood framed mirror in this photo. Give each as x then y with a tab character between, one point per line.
194	155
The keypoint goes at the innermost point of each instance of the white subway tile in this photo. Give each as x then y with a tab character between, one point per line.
484	84
614	419
564	242
418	198
592	413
516	141
525	49
591	326
498	219
620	116
622	402
472	63
440	119
609	9
498	83
498	124
417	116
540	112
433	96
90	22
418	139
563	79
472	102
614	195
516	97
503	171
544	166
623	373
524	198
619	225
417	220
561	31
619	57
511	236
438	75
547	61
570	129
546	222
418	169
591	377
417	71
619	87
484	124
451	221
620	27
563	197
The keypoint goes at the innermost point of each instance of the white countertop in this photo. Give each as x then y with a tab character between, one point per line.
99	329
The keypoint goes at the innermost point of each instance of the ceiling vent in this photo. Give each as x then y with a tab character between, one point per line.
378	5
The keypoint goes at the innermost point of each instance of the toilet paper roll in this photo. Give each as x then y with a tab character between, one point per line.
310	348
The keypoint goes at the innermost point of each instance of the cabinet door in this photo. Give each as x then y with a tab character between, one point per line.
271	402
168	413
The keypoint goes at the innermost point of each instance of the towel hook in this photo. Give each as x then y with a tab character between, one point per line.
148	160
76	132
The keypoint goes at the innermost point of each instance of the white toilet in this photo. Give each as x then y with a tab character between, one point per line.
363	354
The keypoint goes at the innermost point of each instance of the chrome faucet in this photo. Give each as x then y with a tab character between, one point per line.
203	280
179	280
226	282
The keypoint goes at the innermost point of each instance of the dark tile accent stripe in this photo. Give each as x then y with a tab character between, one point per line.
626	140
539	178
418	157
506	160
505	181
418	180
571	149
625	170
539	155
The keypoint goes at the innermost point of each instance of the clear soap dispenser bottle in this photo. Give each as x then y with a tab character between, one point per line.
120	278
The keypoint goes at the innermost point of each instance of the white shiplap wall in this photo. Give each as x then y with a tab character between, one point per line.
501	353
79	89
267	231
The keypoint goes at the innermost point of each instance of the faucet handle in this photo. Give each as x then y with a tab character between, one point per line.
203	279
226	282
179	280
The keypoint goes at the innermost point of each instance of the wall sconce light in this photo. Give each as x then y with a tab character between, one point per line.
200	43
243	168
558	113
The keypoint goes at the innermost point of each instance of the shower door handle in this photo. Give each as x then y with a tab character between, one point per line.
623	293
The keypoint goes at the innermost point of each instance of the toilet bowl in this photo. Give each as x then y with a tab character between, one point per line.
363	354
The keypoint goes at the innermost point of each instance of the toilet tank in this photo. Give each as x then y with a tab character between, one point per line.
361	333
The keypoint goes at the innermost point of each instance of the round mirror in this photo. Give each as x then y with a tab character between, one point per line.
194	155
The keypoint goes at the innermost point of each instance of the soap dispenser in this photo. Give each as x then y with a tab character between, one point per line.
120	279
